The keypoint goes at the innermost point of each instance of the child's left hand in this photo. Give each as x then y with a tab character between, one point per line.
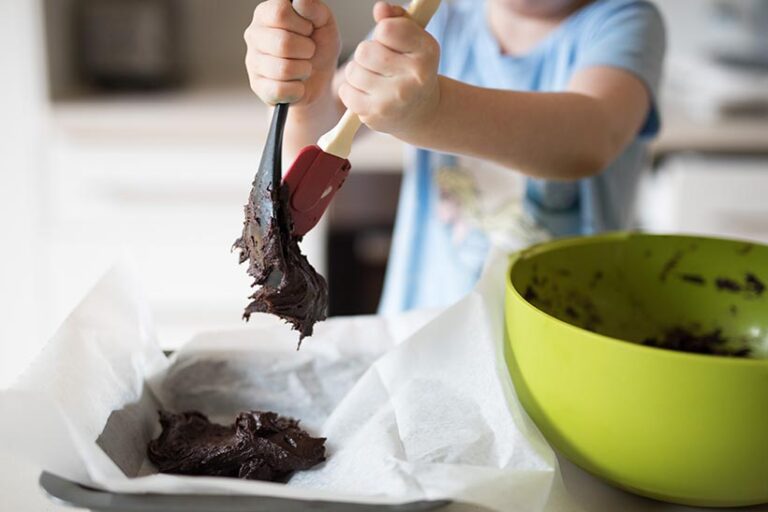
392	82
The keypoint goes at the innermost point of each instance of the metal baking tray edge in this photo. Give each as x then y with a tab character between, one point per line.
66	492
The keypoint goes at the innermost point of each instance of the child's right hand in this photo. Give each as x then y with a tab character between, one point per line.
292	52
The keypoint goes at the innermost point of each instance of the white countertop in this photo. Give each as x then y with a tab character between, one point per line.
581	493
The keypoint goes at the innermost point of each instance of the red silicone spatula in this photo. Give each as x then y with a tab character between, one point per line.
319	171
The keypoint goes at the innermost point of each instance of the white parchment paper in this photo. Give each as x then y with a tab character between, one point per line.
417	406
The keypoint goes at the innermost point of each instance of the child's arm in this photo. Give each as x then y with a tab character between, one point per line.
566	136
393	86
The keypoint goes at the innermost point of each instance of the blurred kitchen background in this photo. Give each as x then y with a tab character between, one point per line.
127	127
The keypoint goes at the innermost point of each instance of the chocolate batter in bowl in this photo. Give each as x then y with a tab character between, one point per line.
644	359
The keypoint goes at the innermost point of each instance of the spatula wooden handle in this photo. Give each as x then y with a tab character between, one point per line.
338	141
421	11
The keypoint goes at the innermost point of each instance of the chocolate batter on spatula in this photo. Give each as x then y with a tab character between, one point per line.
258	446
290	287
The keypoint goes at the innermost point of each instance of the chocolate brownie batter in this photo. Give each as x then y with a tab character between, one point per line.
258	446
289	286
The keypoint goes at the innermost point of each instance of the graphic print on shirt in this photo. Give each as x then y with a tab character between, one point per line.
477	195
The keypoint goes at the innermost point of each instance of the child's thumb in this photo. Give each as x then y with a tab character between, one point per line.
314	11
383	10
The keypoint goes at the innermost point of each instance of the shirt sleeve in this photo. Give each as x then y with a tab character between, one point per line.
628	35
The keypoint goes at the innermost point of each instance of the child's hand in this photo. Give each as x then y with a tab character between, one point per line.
392	82
292	51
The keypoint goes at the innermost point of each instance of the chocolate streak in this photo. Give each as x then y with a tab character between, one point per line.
258	446
301	297
683	339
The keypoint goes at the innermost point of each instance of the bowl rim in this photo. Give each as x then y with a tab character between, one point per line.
561	243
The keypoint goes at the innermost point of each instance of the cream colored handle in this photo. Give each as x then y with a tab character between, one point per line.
338	141
421	11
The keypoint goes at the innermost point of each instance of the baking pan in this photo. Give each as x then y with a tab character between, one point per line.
69	493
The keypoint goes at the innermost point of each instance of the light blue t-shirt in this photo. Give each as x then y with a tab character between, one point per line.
444	226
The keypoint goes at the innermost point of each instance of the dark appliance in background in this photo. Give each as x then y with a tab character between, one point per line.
361	220
129	44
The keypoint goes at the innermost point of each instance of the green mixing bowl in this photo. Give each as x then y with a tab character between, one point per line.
679	427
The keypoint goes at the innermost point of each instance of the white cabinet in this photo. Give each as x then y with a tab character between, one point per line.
164	180
169	195
713	195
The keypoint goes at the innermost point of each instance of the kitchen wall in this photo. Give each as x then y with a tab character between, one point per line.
22	113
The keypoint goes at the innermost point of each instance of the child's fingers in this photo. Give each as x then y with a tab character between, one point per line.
362	79
281	14
384	10
377	58
402	35
355	100
283	44
314	11
273	92
277	68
